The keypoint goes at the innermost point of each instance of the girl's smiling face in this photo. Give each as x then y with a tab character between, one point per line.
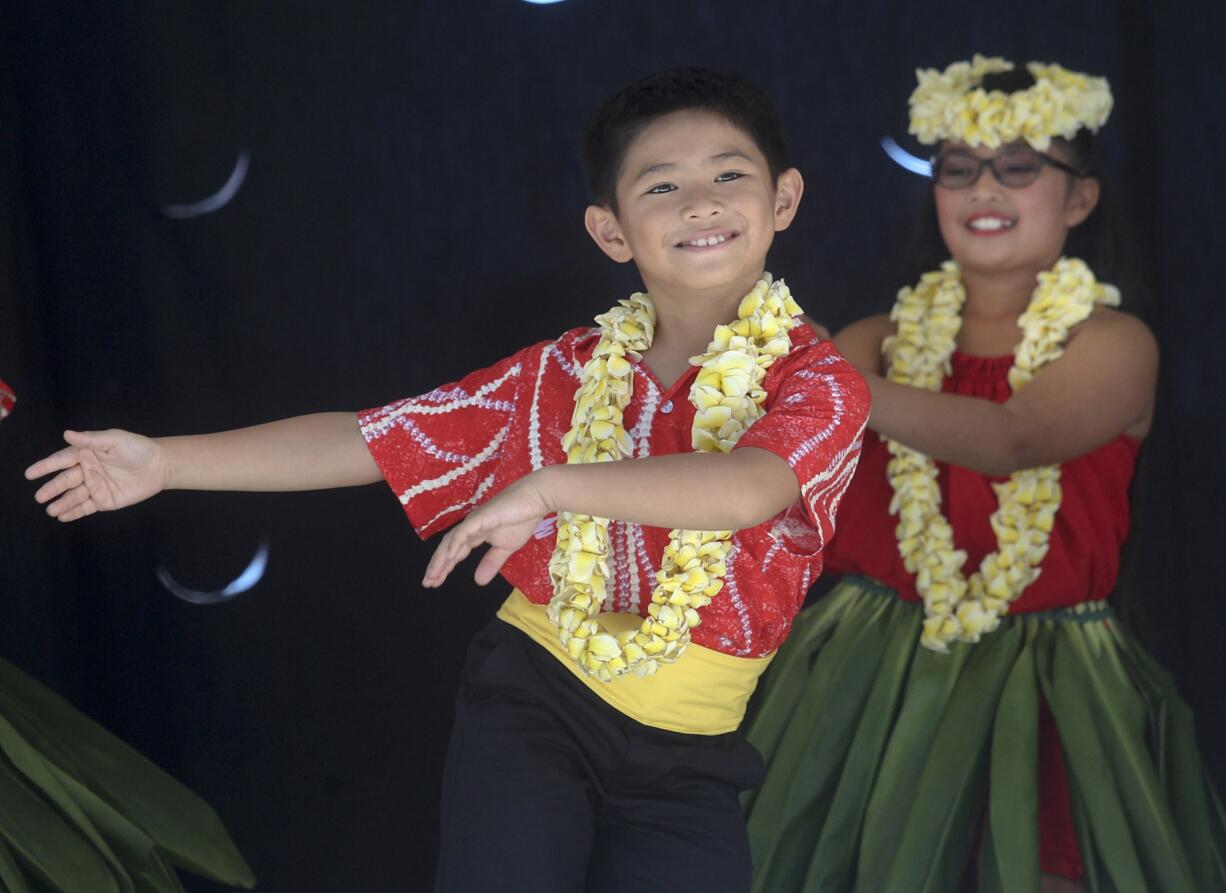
989	227
697	207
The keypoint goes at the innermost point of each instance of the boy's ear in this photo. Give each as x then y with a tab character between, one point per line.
1082	200
602	226
788	189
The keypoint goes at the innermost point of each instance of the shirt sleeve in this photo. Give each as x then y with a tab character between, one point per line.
441	453
815	424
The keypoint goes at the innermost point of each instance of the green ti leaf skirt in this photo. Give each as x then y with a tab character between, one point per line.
892	768
82	812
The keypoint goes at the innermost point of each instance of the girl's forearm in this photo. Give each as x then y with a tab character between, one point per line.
311	452
695	491
973	433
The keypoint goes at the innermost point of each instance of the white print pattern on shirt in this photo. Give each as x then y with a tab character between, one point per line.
564	362
835	391
641	433
776	545
534	415
490	452
646	567
428	446
632	569
454	394
534	412
455	398
467	503
458	398
825	490
623	560
641	437
734	595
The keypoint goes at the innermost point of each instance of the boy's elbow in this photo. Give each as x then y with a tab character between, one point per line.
754	512
769	487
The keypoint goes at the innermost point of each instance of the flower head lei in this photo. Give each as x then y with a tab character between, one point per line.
952	105
727	396
927	319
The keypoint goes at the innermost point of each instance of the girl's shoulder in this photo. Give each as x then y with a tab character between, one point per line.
1114	330
861	341
879	325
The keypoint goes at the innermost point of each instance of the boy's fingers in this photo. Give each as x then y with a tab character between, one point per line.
443	560
86	438
57	461
454	548
71	500
60	506
87	508
491	564
66	480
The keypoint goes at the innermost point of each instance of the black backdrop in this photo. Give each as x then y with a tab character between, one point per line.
412	211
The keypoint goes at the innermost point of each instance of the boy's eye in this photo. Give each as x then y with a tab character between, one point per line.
661	188
727	176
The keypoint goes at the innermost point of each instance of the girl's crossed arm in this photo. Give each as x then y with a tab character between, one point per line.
1101	387
106	470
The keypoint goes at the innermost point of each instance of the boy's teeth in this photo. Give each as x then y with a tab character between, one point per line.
991	223
707	242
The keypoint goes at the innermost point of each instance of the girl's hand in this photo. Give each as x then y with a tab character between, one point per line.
100	471
506	522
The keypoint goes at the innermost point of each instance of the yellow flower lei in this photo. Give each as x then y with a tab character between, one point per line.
927	318
950	105
727	396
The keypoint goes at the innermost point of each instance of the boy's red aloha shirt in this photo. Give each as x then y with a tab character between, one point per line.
450	450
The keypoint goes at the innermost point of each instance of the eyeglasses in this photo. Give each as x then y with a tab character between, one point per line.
1013	168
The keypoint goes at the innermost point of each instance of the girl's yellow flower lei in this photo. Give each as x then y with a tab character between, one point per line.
727	396
927	318
950	105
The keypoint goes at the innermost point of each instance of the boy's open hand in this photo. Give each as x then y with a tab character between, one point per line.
506	522
99	471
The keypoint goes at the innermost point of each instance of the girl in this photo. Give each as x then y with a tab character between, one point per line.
963	709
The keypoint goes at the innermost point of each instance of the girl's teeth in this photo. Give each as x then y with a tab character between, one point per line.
708	242
991	223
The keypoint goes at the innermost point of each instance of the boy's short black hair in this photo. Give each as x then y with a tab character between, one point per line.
619	119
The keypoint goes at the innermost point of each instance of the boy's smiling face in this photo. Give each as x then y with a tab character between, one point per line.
696	206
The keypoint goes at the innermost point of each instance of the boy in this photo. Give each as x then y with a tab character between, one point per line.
556	780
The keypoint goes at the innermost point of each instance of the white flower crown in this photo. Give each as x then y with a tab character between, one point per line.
951	105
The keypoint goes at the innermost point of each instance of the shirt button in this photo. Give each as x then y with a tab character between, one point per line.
666	407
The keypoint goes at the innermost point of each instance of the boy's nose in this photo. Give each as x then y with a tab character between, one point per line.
705	206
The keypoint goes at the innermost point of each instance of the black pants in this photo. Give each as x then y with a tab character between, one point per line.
547	788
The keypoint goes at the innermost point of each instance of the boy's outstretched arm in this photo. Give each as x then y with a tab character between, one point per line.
106	470
695	491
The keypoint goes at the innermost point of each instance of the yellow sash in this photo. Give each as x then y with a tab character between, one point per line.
703	693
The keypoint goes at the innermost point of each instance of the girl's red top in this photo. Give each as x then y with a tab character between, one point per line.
1084	550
